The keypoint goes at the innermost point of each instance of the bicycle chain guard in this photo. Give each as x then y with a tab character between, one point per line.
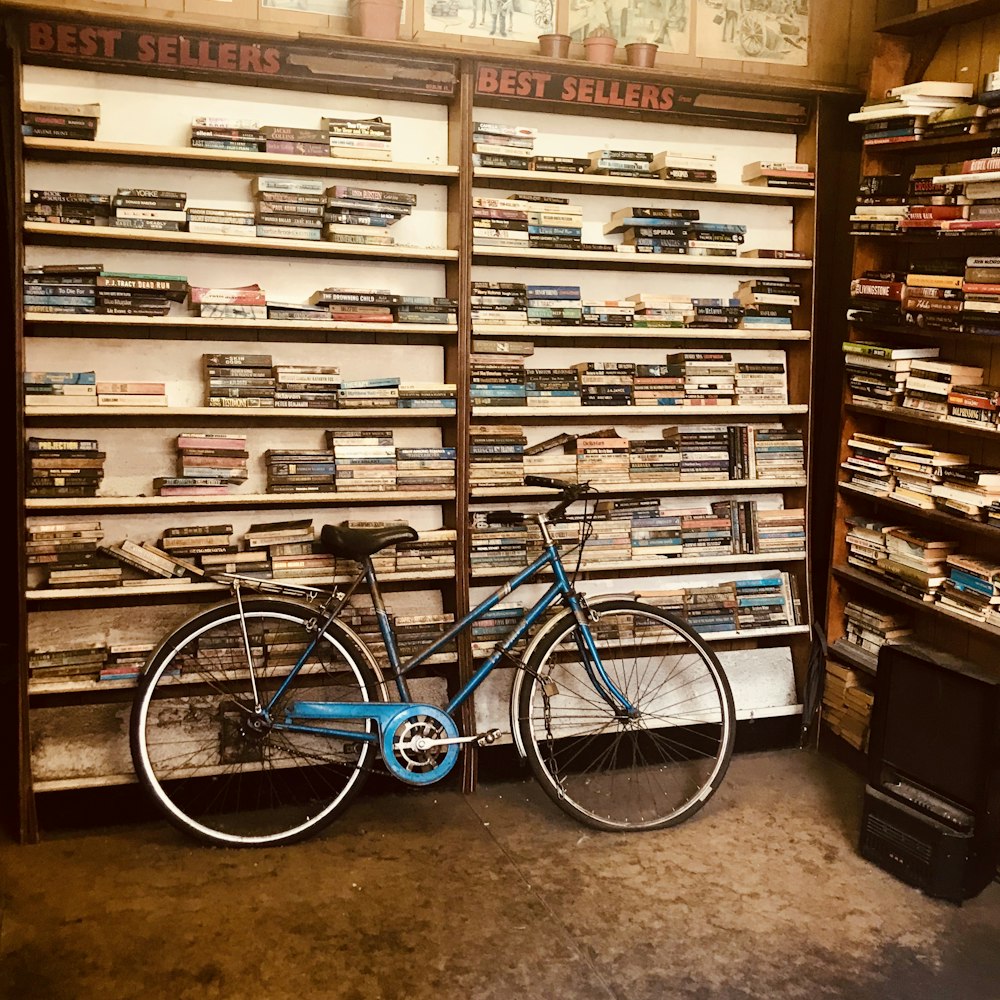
404	744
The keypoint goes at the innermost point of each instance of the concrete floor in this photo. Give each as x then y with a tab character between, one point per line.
432	895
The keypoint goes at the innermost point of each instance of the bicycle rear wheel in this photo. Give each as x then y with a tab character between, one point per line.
218	771
618	772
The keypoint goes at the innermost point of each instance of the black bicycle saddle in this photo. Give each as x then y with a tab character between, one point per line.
357	543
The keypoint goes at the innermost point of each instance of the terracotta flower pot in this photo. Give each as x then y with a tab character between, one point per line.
641	53
376	18
556	46
600	48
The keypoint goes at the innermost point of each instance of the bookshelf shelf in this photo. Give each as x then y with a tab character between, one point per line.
251	164
661	414
543	180
905	415
615	489
83	415
946	521
632	261
854	656
702	562
937	18
663	334
235	501
59	234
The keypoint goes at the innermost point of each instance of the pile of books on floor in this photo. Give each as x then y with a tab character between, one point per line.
878	372
847	704
149	209
60	389
67	554
64	467
780	174
496	455
68	208
246	302
362	215
54	120
901	116
504	147
207	465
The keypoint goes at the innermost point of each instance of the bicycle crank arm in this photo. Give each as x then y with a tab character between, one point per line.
423	743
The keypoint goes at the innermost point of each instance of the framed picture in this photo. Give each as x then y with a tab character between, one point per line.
774	31
508	20
666	22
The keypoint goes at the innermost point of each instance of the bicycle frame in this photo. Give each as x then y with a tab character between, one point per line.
381	711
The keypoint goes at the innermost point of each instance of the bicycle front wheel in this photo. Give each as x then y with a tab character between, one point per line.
214	766
610	769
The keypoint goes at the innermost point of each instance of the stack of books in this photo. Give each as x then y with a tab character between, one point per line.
551	387
608	312
149	208
427	395
492	547
60	389
221	221
288	208
933	300
916	469
901	115
551	457
554	305
866	543
772	531
286	549
359	138
979	181
61	288
768	303
931	205
981	292
881	202
120	293
425	309
706	530
500	622
497	380
82	660
561	164
553	223
915	563
208	465
674	165
871	628
242	135
877	298
704	453
867	463
653	460
54	120
717	313
971	587
162	566
657	385
967	118
496	455
715	239
709	376
364	459
711	609
303	387
929	383
501	222
653	228
505	147
967	491
878	372
761	383
238	380
415	632
420	469
125	661
654	530
303	470
653	311
68	208
131	394
606	383
432	552
61	467
246	302
66	552
847	705
369	393
499	303
355	305
191	542
620	163
767	451
362	215
780	174
601	457
284	140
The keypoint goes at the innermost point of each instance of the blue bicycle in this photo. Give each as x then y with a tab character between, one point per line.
257	721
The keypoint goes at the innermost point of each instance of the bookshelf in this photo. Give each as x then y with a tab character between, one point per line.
950	41
68	722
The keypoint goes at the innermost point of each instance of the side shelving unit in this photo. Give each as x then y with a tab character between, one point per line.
950	41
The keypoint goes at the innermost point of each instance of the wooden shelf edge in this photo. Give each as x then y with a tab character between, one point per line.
937	18
660	262
660	413
80	414
853	656
666	333
701	486
903	414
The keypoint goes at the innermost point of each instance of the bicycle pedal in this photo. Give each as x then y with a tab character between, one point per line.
488	738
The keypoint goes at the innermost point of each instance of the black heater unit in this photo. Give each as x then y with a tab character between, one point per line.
932	806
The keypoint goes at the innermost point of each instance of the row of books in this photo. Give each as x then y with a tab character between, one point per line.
686	378
756	304
74	554
74	389
91	289
954	297
923	476
928	569
347	138
639	529
61	467
58	120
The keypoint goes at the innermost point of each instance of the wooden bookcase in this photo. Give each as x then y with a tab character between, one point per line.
74	735
950	41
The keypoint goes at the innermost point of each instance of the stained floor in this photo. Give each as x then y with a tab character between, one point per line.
433	895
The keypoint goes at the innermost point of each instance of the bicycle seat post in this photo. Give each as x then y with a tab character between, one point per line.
543	525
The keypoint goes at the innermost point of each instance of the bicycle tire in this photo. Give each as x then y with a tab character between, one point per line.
193	748
614	773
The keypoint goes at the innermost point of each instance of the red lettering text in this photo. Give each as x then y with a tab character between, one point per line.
66	39
227	55
250	59
40	37
666	98
166	50
146	48
632	91
650	97
272	61
109	36
487	82
569	89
